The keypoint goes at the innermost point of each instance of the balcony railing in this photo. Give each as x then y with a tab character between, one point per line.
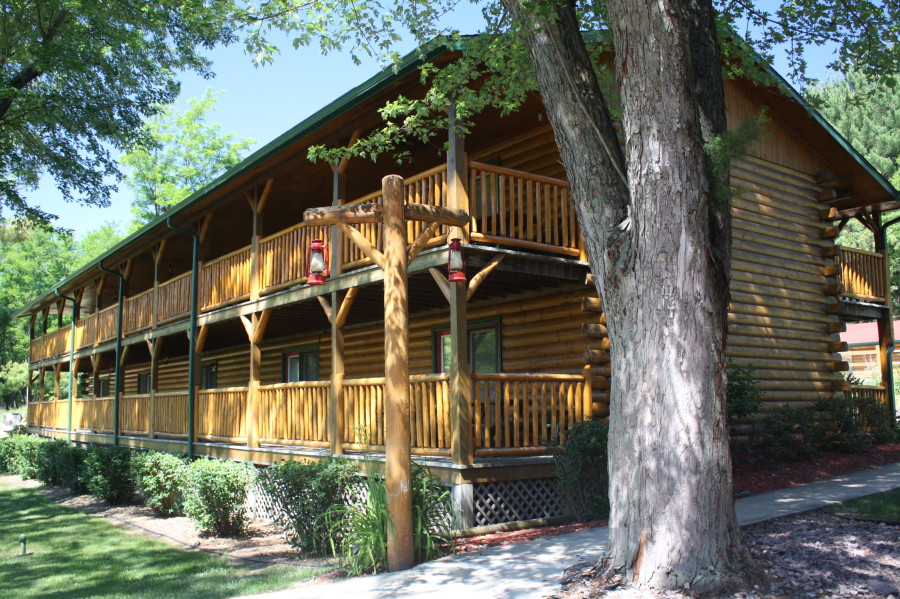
863	275
507	207
513	413
521	209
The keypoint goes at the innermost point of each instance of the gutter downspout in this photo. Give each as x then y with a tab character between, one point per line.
890	349
118	349
192	334
71	362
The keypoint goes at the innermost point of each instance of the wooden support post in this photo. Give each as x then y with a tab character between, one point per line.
462	451
396	379
155	347
885	321
336	406
255	332
257	205
57	372
457	177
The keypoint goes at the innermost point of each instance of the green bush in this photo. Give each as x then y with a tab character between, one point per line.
20	453
581	470
216	495
359	528
303	493
7	453
60	463
107	474
856	421
788	433
743	395
160	477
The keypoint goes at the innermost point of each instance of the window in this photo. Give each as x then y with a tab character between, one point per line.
102	386
143	383
209	375
485	342
301	365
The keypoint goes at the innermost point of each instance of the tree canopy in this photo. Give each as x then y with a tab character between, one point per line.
183	153
866	111
77	79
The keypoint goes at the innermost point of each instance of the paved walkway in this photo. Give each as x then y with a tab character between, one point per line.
533	569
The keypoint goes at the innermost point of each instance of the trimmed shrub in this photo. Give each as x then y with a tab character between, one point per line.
7	453
107	474
303	492
57	463
22	454
581	470
160	477
217	494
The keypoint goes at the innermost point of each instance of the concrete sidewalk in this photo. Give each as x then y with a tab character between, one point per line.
533	569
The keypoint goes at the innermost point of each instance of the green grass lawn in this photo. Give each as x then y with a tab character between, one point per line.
73	555
882	507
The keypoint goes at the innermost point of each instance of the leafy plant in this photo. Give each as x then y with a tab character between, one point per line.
19	454
160	477
359	529
217	494
788	433
743	393
303	493
856	421
107	474
432	515
581	470
60	463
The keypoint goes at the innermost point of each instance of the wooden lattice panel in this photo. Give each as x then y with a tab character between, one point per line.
515	500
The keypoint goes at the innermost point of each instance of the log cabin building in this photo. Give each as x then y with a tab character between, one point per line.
264	367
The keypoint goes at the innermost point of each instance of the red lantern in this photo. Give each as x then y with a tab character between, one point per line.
456	263
317	263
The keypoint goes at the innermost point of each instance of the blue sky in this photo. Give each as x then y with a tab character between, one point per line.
261	103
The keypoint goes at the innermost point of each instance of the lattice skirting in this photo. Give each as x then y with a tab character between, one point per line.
515	500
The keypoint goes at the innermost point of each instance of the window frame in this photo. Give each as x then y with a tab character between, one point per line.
286	355
472	326
144	376
208	368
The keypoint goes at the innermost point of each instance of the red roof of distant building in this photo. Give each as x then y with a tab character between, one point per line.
859	333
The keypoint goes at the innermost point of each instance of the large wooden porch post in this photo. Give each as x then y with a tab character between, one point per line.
457	296
336	407
460	383
393	215
396	378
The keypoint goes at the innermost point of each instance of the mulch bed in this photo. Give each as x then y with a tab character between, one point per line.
749	479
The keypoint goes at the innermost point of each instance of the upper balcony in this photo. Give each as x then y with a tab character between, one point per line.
864	276
507	207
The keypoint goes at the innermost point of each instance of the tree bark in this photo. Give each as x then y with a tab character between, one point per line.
659	243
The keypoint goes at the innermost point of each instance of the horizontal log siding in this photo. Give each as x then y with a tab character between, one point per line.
778	322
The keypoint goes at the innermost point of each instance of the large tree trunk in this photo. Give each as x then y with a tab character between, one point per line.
660	244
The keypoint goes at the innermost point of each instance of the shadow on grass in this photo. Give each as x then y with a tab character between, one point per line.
71	555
